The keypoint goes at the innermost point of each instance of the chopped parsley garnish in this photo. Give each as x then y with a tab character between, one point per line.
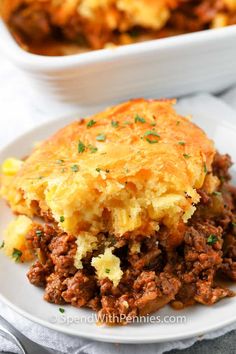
92	149
101	137
139	119
212	239
114	123
60	161
187	156
205	167
91	123
151	133
2	244
107	271
216	193
222	179
39	233
98	169
61	310
16	254
75	168
181	143
81	147
153	124
62	218
127	122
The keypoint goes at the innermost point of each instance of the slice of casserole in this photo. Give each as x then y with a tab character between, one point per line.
133	204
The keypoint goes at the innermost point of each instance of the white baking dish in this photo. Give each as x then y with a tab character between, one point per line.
203	61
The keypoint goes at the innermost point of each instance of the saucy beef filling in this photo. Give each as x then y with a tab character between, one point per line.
181	269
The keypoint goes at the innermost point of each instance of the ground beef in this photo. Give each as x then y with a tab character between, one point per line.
179	267
33	24
221	166
228	268
37	274
80	289
154	291
54	289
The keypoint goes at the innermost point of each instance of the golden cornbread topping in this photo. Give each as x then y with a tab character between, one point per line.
125	170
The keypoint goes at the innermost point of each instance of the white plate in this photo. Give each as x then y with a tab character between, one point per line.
27	300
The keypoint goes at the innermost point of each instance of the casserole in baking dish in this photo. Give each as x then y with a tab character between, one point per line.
166	67
50	27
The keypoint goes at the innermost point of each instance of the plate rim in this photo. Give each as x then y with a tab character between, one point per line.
101	337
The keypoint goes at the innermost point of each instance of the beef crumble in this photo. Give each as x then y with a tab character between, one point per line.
180	269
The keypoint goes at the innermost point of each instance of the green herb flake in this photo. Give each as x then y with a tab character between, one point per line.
81	147
212	239
92	149
151	133
107	271
181	143
61	310
75	168
139	119
91	123
205	168
216	193
222	179
186	156
60	161
233	223
114	123
62	218
101	137
16	254
127	122
39	233
98	169
2	244
153	124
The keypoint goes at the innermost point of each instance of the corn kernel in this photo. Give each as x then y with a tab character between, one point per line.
11	166
220	20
